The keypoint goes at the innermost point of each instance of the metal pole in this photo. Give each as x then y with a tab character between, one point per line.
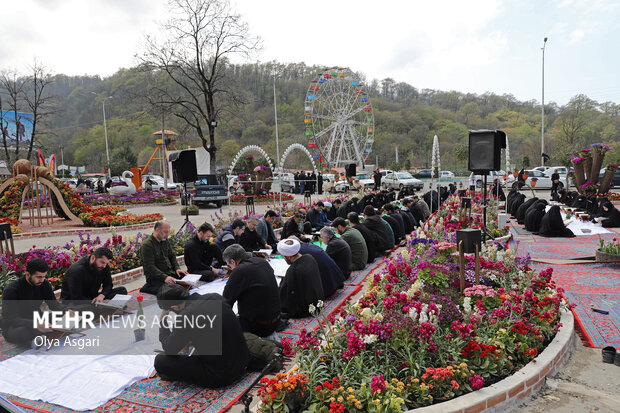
542	128
275	114
105	131
164	165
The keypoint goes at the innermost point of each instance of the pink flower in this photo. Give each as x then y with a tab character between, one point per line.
377	384
476	381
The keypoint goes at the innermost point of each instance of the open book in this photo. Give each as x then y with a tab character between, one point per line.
118	302
189	281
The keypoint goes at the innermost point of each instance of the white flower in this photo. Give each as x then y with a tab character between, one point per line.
413	313
311	308
366	313
319	304
423	317
369	339
467	305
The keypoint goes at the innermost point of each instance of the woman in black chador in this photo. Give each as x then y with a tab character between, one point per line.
611	217
552	225
599	207
518	201
497	191
581	202
534	215
510	198
523	209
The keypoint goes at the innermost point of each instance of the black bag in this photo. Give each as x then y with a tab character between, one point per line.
263	352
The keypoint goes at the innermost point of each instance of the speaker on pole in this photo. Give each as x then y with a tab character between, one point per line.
184	166
350	170
485	150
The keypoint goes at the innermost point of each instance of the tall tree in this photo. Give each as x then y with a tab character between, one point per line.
200	36
12	86
37	99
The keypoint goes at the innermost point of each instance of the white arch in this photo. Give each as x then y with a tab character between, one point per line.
250	148
304	149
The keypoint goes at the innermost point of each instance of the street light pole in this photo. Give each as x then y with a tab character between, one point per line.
275	114
105	131
542	128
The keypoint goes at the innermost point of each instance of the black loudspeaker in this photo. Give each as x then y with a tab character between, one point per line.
184	166
485	150
470	238
350	169
462	193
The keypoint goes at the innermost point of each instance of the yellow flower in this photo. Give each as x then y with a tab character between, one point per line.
358	405
351	390
340	399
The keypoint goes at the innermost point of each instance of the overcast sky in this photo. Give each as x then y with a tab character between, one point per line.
468	46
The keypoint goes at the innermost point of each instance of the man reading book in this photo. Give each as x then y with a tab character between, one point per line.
89	279
200	255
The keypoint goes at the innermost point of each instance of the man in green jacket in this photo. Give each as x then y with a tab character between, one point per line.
355	239
159	260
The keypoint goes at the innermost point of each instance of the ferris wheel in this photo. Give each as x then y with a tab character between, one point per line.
339	119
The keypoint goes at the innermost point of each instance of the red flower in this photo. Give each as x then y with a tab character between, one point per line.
139	298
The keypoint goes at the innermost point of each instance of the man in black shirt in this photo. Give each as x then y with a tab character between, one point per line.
200	368
90	279
338	250
252	285
369	237
301	287
21	298
291	227
555	181
200	254
395	221
250	240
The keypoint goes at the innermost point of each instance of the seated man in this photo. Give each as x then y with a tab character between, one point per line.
291	227
316	218
407	210
357	244
395	222
265	228
201	367
21	298
200	254
338	249
375	224
252	285
231	234
301	287
332	278
90	279
369	237
159	260
426	212
250	240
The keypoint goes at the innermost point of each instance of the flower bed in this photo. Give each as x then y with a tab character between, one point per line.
260	198
102	216
139	198
10	204
413	339
125	249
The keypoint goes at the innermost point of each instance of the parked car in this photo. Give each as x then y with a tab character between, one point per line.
287	182
209	188
366	181
615	181
446	175
339	186
543	181
158	183
425	173
399	180
491	177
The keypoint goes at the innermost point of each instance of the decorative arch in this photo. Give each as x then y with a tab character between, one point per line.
243	151
304	150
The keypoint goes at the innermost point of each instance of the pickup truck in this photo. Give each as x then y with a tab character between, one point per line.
209	188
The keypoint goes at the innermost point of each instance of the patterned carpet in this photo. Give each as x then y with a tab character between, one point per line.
588	287
155	395
358	277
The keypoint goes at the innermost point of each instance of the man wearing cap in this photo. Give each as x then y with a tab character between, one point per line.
338	249
317	217
357	244
200	254
301	287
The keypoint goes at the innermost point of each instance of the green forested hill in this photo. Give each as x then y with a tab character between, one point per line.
404	116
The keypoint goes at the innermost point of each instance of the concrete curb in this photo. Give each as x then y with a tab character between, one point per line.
84	230
523	383
128	276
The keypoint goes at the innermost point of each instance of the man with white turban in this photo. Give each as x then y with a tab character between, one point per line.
301	286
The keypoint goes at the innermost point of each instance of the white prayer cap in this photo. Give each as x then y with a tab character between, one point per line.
288	247
327	204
